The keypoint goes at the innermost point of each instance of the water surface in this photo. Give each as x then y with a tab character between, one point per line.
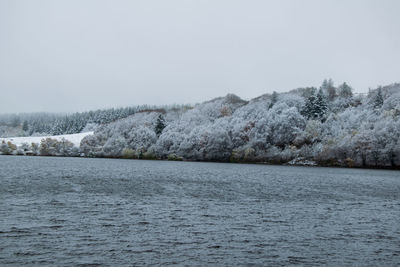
71	211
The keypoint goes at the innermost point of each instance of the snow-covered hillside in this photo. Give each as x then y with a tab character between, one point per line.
328	126
73	138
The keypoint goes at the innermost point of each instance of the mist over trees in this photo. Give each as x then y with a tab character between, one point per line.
328	126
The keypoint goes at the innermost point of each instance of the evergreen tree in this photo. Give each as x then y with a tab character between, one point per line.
57	128
309	107
274	99
378	99
315	106
25	126
329	89
15	121
160	125
321	105
345	91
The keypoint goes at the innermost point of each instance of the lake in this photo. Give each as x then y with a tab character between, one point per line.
72	211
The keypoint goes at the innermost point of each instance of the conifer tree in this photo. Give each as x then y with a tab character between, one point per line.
378	99
329	89
345	91
160	125
309	107
25	126
274	99
315	106
321	105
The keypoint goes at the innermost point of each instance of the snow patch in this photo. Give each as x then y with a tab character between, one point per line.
73	138
302	162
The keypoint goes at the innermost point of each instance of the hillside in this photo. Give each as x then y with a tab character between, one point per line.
327	126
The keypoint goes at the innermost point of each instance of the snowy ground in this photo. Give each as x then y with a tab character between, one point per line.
74	138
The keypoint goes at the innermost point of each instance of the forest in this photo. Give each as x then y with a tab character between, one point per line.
325	126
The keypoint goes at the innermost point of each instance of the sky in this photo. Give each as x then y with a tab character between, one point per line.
78	55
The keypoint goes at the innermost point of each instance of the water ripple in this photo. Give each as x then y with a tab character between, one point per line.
104	212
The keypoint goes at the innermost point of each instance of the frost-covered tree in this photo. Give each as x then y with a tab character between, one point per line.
329	89
25	126
315	106
141	138
114	146
274	99
309	109
91	145
320	105
160	125
67	148
378	98
35	148
284	125
4	148
345	91
48	147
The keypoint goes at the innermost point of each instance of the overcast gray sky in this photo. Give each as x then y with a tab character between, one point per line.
77	55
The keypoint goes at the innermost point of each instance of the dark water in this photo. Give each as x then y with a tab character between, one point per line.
72	211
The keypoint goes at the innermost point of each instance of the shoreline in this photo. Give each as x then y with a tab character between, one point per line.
390	168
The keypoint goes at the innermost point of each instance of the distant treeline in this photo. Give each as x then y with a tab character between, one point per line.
27	124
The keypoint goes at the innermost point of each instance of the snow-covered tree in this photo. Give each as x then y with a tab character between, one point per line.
345	91
160	125
329	89
321	105
4	148
309	109
315	106
378	98
274	99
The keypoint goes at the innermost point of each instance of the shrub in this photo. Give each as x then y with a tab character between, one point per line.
4	149
11	146
129	153
149	155
174	157
35	148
